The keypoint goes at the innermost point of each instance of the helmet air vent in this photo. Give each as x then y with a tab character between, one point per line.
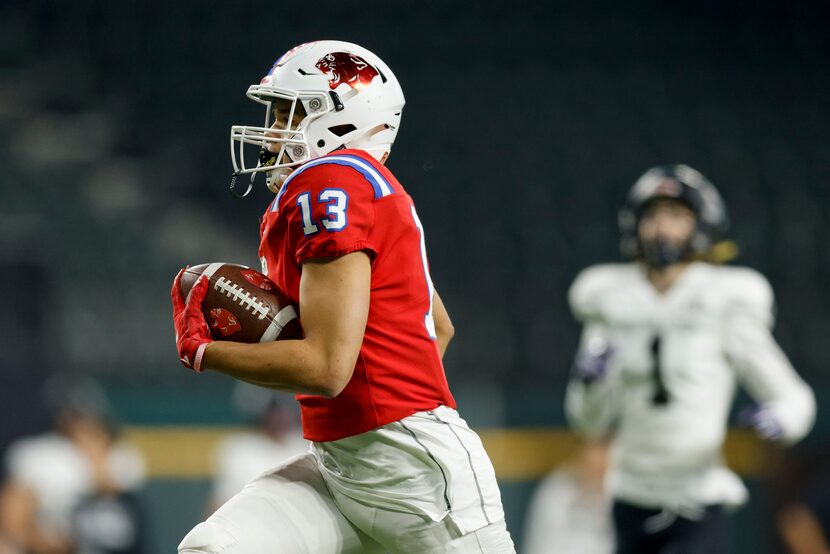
340	130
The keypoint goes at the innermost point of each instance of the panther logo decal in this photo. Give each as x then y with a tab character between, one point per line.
350	69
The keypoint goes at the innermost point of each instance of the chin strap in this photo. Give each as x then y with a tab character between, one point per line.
232	187
273	179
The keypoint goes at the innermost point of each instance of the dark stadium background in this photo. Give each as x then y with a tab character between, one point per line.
525	124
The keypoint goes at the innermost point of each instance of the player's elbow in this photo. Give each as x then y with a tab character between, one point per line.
331	388
801	415
332	377
445	331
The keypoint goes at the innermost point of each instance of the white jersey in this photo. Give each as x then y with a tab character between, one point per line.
714	331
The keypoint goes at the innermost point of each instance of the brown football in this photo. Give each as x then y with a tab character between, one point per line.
243	305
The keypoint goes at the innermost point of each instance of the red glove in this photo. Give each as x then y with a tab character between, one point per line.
192	331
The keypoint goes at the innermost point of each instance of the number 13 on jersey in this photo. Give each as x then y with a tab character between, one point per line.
336	201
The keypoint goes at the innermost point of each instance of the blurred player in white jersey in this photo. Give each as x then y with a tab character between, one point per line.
667	339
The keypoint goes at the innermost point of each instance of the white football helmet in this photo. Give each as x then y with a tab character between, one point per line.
334	95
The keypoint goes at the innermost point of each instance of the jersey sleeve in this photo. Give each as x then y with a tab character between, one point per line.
761	365
587	293
330	213
592	408
749	296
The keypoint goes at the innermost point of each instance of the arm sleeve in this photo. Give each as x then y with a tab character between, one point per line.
760	364
330	213
591	409
586	293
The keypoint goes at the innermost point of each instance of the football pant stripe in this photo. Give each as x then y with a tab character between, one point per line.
435	460
472	466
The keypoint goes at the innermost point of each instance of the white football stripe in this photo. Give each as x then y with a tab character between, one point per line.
208	272
284	316
212	268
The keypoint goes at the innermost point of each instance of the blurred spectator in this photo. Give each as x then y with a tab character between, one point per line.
275	435
571	510
73	489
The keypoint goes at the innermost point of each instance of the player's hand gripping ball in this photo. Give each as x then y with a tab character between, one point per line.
228	302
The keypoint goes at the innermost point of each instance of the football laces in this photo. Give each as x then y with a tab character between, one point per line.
245	299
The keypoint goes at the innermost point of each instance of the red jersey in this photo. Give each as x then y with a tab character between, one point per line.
346	202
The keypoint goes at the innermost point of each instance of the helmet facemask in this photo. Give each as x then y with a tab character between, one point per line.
282	142
661	251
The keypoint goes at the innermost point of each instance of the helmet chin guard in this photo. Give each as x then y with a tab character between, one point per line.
349	99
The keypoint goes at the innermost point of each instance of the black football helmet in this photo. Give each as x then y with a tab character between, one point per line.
687	185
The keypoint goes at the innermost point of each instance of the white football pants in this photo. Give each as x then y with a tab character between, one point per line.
420	485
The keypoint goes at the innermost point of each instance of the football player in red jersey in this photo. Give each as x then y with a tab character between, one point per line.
392	466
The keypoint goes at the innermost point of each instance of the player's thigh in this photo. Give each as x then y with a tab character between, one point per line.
288	510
